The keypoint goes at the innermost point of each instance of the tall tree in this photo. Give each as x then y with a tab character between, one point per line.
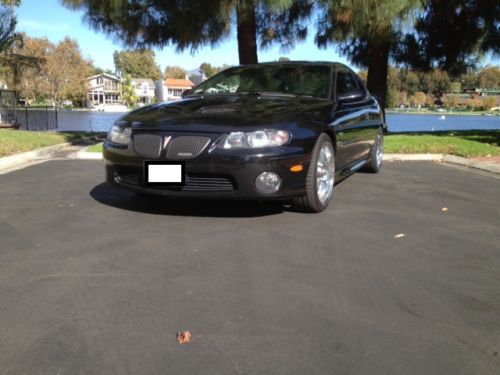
61	74
366	32
452	35
12	62
191	24
137	63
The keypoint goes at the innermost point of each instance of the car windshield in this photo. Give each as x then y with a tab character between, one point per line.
294	80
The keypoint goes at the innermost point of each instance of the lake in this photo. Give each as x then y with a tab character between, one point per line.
397	122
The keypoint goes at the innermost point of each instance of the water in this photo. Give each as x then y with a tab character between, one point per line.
427	123
102	121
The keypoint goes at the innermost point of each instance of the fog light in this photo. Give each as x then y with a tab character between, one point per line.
116	177
268	182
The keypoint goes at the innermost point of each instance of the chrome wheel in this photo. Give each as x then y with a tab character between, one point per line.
325	173
379	155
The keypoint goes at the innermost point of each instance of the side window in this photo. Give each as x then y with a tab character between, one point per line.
346	82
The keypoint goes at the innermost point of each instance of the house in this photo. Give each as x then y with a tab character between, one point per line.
174	87
104	89
144	89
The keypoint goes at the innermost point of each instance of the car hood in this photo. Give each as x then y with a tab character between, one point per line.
227	113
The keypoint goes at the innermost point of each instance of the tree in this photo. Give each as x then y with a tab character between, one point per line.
61	74
137	63
419	99
175	72
489	78
452	35
128	92
12	62
208	69
366	32
191	24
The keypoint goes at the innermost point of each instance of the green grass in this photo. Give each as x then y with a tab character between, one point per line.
465	144
15	141
95	148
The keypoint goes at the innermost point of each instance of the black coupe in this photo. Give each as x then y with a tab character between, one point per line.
283	131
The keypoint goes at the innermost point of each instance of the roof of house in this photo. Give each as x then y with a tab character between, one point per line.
104	74
176	82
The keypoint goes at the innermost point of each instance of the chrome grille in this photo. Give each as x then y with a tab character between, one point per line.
186	147
148	145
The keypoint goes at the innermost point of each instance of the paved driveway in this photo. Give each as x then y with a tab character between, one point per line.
96	281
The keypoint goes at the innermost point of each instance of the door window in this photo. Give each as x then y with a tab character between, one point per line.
346	83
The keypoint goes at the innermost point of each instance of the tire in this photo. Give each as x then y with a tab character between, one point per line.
374	164
317	197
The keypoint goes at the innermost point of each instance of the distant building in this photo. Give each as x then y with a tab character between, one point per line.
144	89
104	89
171	89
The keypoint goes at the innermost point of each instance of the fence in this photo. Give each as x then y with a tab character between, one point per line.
7	106
37	118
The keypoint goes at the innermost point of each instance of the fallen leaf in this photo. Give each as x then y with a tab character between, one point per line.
399	235
184	337
444	209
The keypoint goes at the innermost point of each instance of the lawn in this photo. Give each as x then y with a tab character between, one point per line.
466	144
95	148
14	141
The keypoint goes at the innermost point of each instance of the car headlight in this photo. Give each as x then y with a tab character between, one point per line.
257	139
119	134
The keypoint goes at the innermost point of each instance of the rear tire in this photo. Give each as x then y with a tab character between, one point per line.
320	179
374	164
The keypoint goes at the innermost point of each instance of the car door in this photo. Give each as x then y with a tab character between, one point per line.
348	118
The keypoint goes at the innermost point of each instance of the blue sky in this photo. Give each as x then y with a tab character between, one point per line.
48	18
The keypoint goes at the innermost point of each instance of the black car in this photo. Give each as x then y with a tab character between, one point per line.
282	131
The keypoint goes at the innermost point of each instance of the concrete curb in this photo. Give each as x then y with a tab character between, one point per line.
449	159
84	155
23	159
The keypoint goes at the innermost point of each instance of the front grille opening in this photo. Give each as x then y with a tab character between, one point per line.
133	176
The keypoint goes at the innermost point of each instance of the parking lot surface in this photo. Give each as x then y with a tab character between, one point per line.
94	280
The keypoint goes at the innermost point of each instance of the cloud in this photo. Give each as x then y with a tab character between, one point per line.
40	26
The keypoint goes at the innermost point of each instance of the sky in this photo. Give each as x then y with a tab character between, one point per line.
48	18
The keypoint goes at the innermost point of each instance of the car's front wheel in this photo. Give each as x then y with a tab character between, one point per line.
320	179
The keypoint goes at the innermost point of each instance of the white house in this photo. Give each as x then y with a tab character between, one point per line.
104	89
171	89
144	89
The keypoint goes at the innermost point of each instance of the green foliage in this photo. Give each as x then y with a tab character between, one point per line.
175	72
128	92
208	69
138	64
452	34
12	64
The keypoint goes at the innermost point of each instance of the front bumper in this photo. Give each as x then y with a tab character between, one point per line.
216	173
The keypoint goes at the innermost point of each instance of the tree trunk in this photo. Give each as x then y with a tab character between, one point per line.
377	72
247	34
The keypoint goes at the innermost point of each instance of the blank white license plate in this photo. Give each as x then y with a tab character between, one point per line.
164	173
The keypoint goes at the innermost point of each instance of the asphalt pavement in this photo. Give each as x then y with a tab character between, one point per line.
94	280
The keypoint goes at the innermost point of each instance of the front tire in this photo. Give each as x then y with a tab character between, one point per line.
320	179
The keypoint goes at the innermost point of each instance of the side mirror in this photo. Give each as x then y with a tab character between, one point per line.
351	96
184	93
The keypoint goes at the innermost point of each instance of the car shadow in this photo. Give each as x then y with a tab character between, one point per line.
158	205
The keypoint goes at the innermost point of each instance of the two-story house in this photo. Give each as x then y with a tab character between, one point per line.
104	89
144	89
